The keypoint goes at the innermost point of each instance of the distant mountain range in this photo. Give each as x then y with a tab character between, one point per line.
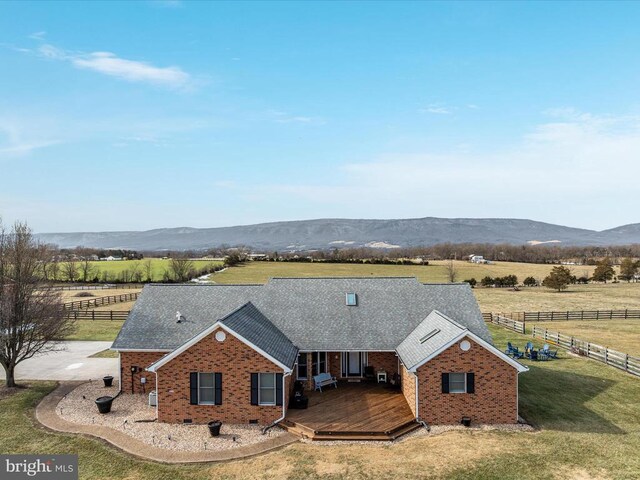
330	233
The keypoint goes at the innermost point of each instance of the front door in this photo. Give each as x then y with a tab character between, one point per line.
352	364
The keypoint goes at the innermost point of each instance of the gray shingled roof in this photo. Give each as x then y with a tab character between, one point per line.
439	329
251	324
311	312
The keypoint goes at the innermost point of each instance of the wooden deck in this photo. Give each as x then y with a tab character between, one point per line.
353	411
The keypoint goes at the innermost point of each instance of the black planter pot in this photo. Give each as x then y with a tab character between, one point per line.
214	428
108	380
466	421
104	404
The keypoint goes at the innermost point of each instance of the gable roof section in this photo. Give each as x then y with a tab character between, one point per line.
250	327
437	333
440	329
249	323
310	312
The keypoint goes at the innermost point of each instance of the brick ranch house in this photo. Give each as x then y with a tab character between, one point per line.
233	352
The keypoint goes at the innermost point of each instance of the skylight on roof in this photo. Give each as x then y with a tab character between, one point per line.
430	335
352	299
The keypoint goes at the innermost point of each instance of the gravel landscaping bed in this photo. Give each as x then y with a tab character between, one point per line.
132	415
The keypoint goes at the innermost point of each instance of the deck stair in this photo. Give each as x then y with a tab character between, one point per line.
353	412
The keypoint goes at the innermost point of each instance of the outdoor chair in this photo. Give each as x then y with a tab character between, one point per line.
369	372
513	351
548	353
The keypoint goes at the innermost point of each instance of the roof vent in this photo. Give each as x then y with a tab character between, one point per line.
432	333
180	318
352	299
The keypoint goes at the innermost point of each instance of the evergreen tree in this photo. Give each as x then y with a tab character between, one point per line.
559	278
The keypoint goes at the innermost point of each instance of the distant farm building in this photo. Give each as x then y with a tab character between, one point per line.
477	259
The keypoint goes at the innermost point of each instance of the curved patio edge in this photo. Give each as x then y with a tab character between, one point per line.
46	414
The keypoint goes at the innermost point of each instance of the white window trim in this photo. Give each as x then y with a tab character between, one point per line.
355	299
212	388
316	356
306	365
275	390
464	375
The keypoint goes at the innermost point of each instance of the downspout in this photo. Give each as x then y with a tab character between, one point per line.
284	405
418	419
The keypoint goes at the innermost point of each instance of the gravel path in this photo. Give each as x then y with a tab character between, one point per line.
130	414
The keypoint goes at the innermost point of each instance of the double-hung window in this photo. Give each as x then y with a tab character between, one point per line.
206	389
266	389
319	363
302	366
458	382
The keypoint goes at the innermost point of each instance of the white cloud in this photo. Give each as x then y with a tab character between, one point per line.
437	109
558	172
110	64
38	35
284	117
16	140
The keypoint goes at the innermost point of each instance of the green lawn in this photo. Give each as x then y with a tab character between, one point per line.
588	415
158	267
99	330
621	335
436	271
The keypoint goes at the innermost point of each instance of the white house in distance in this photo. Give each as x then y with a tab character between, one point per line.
477	259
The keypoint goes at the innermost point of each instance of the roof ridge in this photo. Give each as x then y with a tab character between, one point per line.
349	277
449	319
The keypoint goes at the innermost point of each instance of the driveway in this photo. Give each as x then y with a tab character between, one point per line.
73	363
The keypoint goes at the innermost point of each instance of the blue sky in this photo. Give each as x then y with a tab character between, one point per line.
130	116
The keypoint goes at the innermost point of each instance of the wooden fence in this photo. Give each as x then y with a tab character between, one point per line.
110	286
99	301
98	315
620	360
569	315
506	322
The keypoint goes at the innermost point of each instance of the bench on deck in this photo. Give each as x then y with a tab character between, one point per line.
324	379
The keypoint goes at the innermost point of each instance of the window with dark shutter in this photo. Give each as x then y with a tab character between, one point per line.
445	383
254	389
218	388
471	383
193	388
279	389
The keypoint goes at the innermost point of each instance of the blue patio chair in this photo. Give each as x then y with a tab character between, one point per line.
513	351
548	353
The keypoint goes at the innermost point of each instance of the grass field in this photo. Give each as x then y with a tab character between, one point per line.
610	296
260	272
621	335
587	412
158	267
97	330
72	295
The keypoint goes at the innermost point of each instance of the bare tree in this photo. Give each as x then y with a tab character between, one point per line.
86	266
148	270
70	268
136	272
54	270
31	315
180	267
452	271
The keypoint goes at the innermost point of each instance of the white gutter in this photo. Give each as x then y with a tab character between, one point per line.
284	404
417	403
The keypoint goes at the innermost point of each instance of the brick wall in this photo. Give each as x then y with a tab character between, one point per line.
142	360
496	388
408	383
386	361
236	361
